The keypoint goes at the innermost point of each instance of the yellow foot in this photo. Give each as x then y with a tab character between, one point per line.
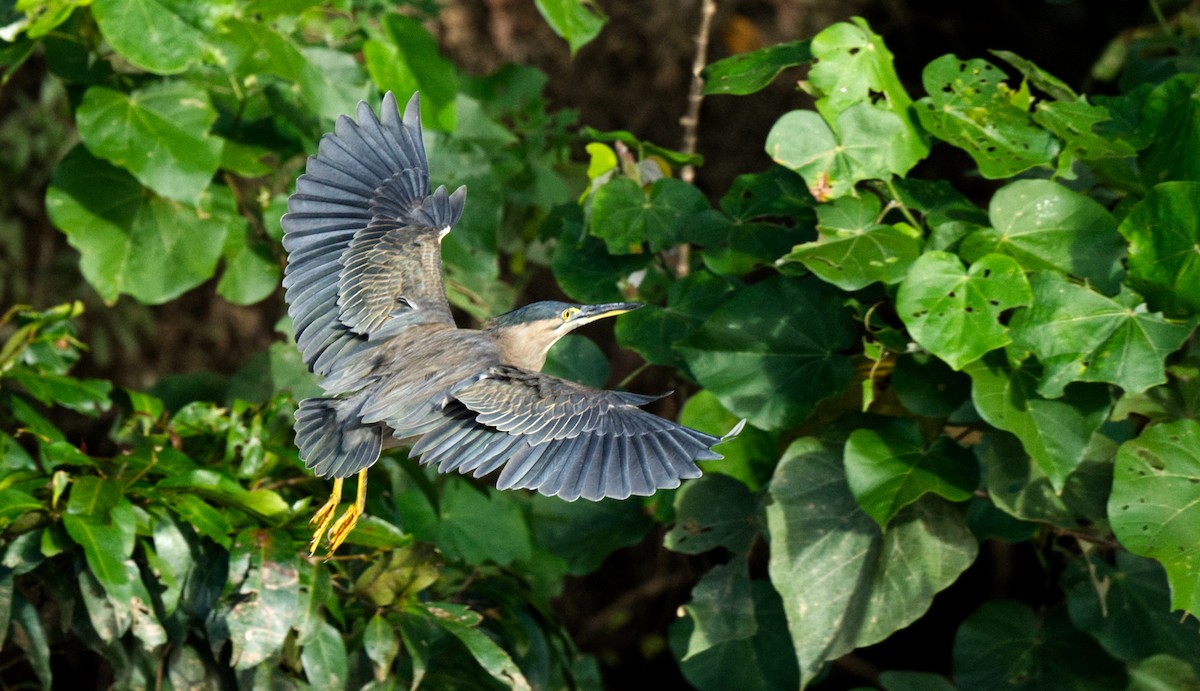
344	524
324	516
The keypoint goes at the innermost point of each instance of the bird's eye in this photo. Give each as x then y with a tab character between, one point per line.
569	312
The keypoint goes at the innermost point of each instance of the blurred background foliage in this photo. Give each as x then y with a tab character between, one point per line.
953	295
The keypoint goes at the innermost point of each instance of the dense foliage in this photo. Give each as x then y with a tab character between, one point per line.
922	370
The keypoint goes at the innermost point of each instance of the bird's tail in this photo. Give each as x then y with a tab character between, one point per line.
332	438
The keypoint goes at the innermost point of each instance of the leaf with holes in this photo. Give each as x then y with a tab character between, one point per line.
1080	335
1155	504
624	216
971	107
853	250
955	313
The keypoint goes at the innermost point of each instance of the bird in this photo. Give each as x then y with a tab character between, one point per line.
364	288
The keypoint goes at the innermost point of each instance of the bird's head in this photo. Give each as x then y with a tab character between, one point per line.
526	333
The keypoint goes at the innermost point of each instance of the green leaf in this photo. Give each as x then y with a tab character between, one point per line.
970	106
583	534
927	386
749	457
401	576
409	60
159	133
577	21
884	582
890	468
582	266
1075	123
1163	673
208	521
1044	225
578	359
861	146
87	396
155	35
722	607
462	623
324	658
853	250
761	661
955	314
1005	645
1054	432
1172	113
1163	233
713	511
1155	504
263	504
1019	487
625	217
1080	335
30	636
107	539
251	271
772	351
265	601
748	73
479	526
652	331
146	246
734	248
854	72
14	504
1130	613
381	645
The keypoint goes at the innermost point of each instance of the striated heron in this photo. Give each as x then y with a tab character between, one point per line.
364	289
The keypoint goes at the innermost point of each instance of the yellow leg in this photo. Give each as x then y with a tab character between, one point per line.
324	516
342	527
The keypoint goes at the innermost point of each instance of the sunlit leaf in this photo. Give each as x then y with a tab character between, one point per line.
155	35
160	133
462	623
577	21
747	73
624	216
1080	335
953	312
1044	225
970	106
1155	504
131	242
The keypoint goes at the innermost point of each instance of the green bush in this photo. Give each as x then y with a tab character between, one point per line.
920	372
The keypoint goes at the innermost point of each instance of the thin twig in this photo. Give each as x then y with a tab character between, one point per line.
691	119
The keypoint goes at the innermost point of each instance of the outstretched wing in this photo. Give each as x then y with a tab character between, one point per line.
562	438
363	235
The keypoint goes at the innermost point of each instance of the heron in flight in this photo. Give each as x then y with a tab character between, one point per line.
365	292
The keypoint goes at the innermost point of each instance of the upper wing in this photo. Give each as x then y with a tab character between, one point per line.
563	438
362	234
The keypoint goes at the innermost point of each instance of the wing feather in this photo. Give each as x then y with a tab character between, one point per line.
362	234
561	438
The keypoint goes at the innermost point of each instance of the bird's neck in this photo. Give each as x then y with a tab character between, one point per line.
518	350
